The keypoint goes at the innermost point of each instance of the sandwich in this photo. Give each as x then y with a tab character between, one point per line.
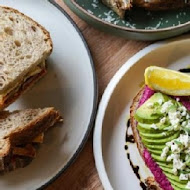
160	121
25	46
20	134
157	5
118	6
121	6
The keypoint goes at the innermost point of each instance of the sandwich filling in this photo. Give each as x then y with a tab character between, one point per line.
4	97
21	155
164	128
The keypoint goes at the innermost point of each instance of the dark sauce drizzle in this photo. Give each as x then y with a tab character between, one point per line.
130	139
185	70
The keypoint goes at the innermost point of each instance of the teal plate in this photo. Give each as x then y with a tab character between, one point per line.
138	24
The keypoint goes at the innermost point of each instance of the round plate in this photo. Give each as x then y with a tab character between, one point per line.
111	159
69	86
139	24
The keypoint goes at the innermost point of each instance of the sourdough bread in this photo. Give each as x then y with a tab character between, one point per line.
24	45
21	127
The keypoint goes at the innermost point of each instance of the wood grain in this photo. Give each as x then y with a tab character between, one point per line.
109	54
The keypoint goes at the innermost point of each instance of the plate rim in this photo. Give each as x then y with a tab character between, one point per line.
97	133
100	21
95	99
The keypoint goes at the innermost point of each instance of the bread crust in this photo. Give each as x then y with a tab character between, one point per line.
32	130
150	181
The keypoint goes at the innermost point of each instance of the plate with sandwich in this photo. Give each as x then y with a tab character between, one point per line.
141	136
135	19
47	95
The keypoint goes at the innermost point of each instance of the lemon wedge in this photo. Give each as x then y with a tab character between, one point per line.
167	81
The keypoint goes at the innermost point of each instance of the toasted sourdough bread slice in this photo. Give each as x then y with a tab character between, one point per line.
25	45
119	6
152	184
157	5
21	128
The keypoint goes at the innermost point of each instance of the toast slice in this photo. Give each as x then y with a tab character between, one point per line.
157	5
118	6
19	130
25	45
150	181
121	6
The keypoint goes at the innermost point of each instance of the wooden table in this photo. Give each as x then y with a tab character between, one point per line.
109	54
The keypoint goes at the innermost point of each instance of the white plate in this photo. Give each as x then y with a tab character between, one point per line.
110	129
69	86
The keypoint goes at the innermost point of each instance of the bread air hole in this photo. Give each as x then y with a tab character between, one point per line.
8	30
1	65
28	56
6	72
17	53
2	78
33	28
17	43
11	19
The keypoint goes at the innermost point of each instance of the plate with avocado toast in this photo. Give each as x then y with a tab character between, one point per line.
142	130
137	19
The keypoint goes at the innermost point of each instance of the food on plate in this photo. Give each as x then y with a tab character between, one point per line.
160	121
20	132
25	46
121	6
161	4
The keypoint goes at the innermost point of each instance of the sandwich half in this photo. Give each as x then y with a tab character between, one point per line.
25	46
20	132
121	6
158	5
160	121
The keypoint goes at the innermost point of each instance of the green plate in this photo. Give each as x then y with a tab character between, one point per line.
138	24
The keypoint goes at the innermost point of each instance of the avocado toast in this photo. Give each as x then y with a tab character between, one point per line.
161	127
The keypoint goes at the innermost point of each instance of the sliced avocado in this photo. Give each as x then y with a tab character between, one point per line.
153	151
146	112
166	165
177	188
157	152
170	175
156	147
174	180
147	127
158	158
160	141
156	135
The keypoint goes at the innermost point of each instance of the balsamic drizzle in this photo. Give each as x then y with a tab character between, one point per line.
130	139
185	70
135	168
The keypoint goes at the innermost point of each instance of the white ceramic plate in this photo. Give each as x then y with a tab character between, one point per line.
69	86
110	129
